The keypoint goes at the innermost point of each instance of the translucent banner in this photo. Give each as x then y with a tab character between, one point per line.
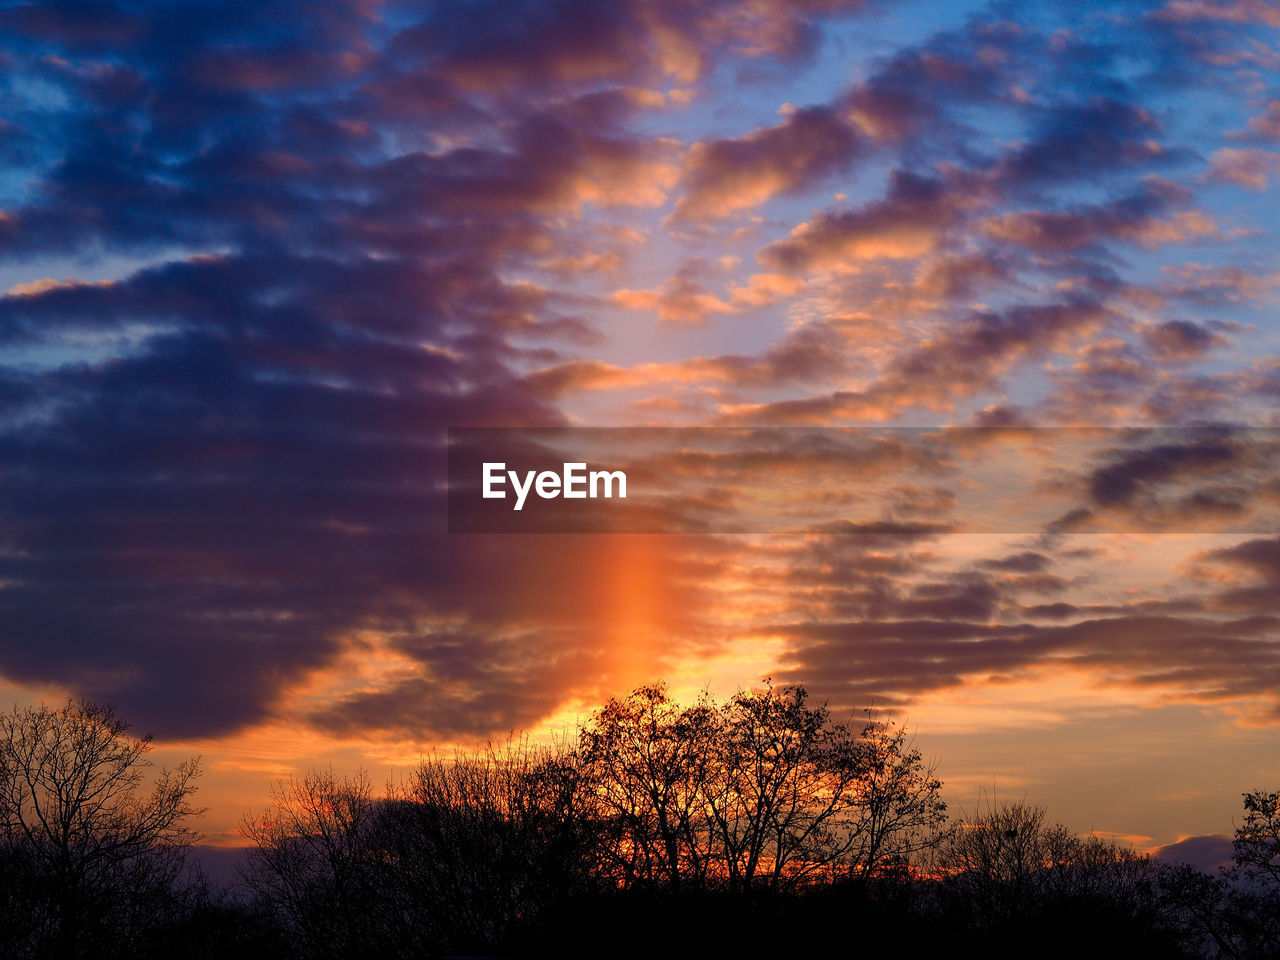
882	480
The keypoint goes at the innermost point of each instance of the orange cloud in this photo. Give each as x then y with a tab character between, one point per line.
909	222
728	175
1247	168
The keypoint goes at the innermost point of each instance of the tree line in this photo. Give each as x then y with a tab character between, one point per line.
758	824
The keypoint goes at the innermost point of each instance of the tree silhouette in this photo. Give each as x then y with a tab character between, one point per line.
756	824
1009	874
453	859
1257	840
86	842
313	861
763	792
784	790
481	841
646	762
901	813
1237	912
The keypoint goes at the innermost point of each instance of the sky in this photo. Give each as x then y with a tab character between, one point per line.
257	258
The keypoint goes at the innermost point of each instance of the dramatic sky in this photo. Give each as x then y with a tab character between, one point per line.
257	256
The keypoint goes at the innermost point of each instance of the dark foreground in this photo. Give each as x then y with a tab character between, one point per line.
754	827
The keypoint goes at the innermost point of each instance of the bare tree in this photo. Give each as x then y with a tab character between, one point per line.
766	776
997	860
486	839
646	762
760	793
1244	920
314	861
1009	873
764	791
901	813
787	789
1235	913
74	817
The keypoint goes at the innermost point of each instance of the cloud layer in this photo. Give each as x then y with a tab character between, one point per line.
263	255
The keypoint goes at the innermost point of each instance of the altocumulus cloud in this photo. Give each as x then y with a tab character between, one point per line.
320	233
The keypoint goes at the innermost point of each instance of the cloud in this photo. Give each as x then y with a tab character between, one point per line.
1144	218
483	45
962	360
1168	480
682	300
685	299
1218	285
1098	137
1229	11
726	175
1120	482
76	25
312	236
1207	853
958	277
1259	561
1026	562
1267	124
1246	168
1181	340
908	223
340	213
1197	659
808	353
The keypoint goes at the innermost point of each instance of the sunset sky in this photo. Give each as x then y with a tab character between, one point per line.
256	257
